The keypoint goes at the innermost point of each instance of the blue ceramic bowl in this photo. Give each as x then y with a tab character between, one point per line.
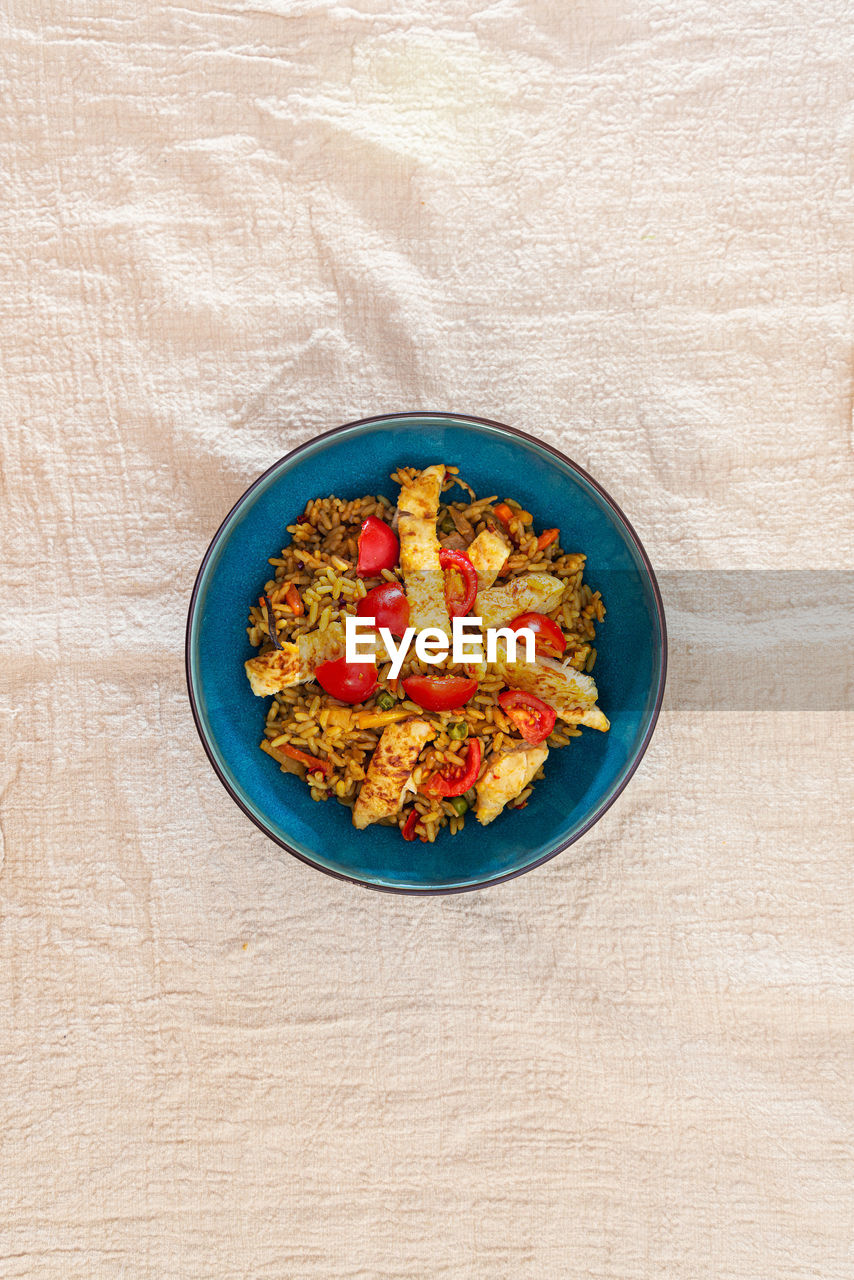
581	781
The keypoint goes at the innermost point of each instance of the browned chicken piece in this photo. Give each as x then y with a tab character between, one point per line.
571	693
390	769
294	663
487	553
419	550
506	777
539	592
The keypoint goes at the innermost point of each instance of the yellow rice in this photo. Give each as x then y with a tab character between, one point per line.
320	561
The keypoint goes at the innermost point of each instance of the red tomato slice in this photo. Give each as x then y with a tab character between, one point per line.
548	635
437	693
388	606
348	681
408	830
455	779
458	566
533	718
378	548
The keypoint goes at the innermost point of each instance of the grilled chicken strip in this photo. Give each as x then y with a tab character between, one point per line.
390	769
487	553
537	592
571	693
294	663
506	777
419	550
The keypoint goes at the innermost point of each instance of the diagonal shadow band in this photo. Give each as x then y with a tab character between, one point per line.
739	640
759	639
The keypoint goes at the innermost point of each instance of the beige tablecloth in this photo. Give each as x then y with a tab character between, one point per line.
624	227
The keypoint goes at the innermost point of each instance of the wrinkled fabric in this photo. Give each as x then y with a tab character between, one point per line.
227	227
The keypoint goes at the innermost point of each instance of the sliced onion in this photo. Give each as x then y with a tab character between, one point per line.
271	624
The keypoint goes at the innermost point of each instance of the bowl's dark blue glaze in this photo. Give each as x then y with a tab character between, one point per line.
581	781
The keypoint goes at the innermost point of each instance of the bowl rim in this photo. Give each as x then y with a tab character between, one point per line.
400	418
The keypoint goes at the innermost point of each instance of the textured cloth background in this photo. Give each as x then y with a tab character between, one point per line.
625	227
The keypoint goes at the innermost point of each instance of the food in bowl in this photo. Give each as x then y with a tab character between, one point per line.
400	740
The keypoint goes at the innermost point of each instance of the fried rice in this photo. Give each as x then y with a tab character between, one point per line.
315	585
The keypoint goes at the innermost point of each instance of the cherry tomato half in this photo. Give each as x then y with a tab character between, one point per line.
437	693
533	718
548	635
388	606
348	681
378	547
458	567
454	779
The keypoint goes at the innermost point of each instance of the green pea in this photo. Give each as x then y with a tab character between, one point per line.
459	730
447	525
385	701
459	805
